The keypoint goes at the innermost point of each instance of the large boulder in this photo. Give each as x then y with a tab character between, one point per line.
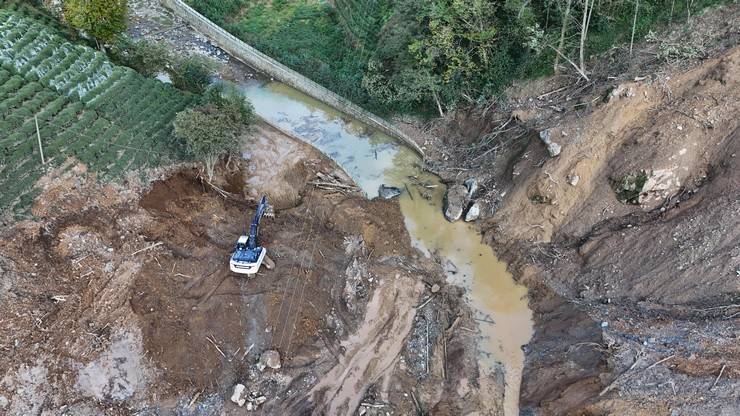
472	185
388	192
240	395
553	149
455	201
473	212
269	358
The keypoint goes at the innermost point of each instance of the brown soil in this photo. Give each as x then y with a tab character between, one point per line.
617	287
117	299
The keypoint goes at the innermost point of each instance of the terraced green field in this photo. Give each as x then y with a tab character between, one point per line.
109	117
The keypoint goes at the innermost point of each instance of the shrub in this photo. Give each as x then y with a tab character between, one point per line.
213	128
232	103
629	187
101	19
192	74
147	58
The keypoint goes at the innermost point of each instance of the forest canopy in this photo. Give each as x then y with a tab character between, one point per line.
429	56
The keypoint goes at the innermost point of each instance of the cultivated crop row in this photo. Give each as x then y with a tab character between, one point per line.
110	118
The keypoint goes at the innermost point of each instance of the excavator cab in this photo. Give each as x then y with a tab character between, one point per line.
248	255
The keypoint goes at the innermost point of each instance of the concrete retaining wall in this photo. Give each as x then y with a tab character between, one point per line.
275	69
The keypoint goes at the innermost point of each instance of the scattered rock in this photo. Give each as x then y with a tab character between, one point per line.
239	396
553	149
354	288
472	185
269	358
573	179
435	288
455	201
473	213
388	192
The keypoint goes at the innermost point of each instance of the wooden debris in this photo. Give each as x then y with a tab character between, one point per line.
718	376
146	249
217	348
330	183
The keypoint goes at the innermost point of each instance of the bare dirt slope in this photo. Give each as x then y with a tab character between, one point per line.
628	238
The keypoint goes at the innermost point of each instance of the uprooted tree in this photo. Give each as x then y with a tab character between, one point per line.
213	128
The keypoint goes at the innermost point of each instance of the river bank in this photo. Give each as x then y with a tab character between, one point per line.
614	201
631	280
373	159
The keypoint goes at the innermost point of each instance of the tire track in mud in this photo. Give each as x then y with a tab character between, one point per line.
300	298
290	282
372	350
296	283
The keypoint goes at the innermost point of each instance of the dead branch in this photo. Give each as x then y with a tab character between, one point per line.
146	248
331	185
573	64
619	377
217	348
423	304
719	376
661	361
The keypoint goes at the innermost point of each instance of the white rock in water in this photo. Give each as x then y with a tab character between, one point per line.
239	396
553	149
473	213
269	358
455	201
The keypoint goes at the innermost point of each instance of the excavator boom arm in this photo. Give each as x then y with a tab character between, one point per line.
254	228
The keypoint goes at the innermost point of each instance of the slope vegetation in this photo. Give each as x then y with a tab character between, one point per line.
109	117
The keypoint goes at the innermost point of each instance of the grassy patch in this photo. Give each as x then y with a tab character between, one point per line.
539	199
307	36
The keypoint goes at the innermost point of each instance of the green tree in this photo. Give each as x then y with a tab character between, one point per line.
101	19
214	128
460	39
459	42
147	58
408	86
192	74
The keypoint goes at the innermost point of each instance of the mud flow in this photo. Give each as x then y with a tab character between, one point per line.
373	159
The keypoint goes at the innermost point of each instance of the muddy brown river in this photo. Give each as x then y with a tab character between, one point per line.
372	158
